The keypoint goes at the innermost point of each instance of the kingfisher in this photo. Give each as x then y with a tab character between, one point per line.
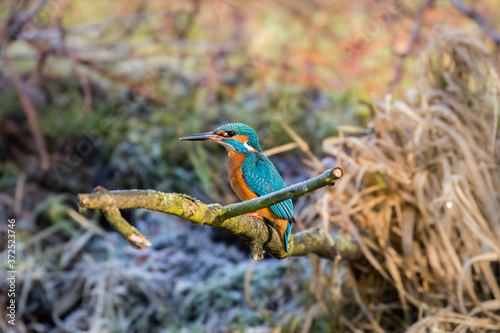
251	173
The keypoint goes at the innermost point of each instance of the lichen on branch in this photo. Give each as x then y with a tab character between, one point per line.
259	235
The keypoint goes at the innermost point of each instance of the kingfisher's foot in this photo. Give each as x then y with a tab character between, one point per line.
255	214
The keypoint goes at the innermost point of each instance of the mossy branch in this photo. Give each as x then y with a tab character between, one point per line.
252	230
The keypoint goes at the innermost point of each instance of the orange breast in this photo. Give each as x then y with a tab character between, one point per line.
234	162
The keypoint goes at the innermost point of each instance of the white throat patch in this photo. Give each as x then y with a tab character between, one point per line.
250	148
227	146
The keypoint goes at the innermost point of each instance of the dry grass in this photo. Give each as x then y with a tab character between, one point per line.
421	196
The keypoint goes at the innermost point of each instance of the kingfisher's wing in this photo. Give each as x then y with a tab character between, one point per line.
262	178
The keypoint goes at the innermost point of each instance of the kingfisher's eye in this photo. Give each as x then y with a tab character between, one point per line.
230	133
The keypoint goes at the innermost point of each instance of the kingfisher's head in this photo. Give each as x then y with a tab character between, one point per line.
234	137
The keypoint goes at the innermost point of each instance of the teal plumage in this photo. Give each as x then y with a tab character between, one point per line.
262	178
258	173
242	129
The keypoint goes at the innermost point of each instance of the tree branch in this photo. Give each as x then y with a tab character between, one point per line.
414	36
31	115
252	230
17	26
463	8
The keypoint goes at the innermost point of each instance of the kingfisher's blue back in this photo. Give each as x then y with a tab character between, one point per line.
262	178
251	173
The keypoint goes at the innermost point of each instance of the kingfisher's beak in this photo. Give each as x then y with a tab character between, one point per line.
207	136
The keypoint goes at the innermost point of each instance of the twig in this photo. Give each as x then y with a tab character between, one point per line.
252	230
473	15
17	26
280	149
362	305
85	83
31	113
328	177
141	88
19	194
302	144
415	32
247	286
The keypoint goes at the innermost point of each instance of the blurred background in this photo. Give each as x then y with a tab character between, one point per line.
401	94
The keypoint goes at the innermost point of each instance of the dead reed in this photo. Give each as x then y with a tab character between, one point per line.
421	196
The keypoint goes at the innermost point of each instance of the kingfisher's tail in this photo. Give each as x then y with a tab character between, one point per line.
284	228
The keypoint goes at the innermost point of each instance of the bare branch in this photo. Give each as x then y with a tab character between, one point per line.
473	15
414	35
252	230
17	26
31	114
